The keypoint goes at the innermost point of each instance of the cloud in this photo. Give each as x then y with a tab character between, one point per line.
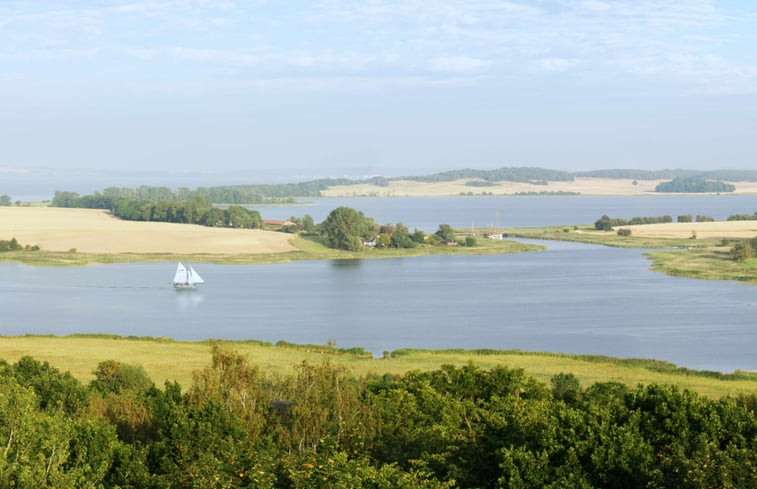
555	65
390	39
458	64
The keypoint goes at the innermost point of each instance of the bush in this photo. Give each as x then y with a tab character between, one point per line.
742	251
624	232
470	241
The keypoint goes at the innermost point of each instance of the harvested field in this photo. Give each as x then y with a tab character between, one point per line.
96	231
584	186
703	230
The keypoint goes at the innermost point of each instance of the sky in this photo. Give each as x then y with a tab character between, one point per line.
357	88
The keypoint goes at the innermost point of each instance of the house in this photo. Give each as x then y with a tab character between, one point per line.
273	223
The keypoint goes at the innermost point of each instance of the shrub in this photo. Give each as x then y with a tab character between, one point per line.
624	232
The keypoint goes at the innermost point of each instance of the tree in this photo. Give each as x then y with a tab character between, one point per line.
239	217
566	387
401	237
5	200
307	223
65	199
445	232
347	229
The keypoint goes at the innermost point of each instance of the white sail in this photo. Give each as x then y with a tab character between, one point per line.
186	277
194	277
182	276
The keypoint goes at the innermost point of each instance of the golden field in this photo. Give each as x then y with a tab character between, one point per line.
584	186
703	230
96	231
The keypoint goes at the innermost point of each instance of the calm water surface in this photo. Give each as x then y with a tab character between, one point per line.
426	213
573	298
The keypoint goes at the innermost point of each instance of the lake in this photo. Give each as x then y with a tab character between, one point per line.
572	298
426	213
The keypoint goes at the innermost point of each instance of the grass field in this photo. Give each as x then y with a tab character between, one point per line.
165	359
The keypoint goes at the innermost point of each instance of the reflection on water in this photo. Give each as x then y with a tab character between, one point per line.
346	263
189	300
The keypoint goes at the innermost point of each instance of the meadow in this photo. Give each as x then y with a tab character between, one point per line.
167	360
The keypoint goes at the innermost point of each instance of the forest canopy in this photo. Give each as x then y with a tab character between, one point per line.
240	426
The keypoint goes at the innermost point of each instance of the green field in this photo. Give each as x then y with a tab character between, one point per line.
166	359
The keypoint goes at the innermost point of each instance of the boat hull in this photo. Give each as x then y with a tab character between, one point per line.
184	286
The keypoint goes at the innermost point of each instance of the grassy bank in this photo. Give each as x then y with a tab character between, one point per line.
685	257
587	234
712	263
165	359
308	248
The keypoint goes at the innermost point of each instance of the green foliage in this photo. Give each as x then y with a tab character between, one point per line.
401	237
606	223
470	241
239	426
445	233
742	252
566	387
5	200
742	217
685	218
624	232
115	377
54	390
347	229
694	185
10	245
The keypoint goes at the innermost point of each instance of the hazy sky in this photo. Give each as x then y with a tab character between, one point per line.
377	87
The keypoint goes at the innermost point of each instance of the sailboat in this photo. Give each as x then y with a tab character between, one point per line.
186	277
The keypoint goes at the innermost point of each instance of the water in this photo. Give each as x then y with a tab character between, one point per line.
426	213
573	298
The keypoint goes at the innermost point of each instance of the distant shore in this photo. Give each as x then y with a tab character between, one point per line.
474	186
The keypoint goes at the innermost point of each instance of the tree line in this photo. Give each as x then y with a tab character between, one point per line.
227	194
240	426
606	223
511	174
742	217
694	185
13	245
195	211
